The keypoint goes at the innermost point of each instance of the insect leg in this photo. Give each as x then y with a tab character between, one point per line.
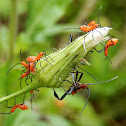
70	38
88	73
86	102
73	78
84	41
55	94
79	32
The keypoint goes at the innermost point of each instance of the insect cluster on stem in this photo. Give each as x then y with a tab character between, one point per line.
64	62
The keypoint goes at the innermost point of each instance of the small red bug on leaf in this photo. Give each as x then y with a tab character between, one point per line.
110	43
22	106
33	59
87	28
30	68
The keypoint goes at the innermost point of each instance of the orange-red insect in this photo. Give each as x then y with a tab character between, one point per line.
30	68
35	58
77	86
87	28
110	43
91	26
22	106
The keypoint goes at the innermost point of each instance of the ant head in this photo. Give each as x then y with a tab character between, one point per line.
114	40
84	28
41	53
92	23
23	63
23	107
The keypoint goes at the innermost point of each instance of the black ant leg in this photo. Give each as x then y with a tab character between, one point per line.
90	52
70	39
71	89
80	76
30	77
79	32
46	60
7	105
85	23
99	32
106	56
40	65
22	71
32	96
86	102
21	79
55	94
24	98
63	89
98	51
73	78
103	50
88	73
84	40
77	76
108	59
26	80
48	56
69	81
15	100
82	63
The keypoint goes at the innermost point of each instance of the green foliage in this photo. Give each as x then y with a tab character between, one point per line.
40	26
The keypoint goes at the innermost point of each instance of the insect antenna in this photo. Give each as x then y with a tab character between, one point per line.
102	81
16	82
88	73
99	15
12	67
21	55
70	28
16	63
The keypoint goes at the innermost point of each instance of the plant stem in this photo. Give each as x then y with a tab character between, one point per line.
13	27
55	72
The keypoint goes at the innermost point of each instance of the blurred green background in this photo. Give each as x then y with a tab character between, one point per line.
36	25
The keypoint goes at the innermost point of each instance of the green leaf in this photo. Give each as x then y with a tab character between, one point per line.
44	14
